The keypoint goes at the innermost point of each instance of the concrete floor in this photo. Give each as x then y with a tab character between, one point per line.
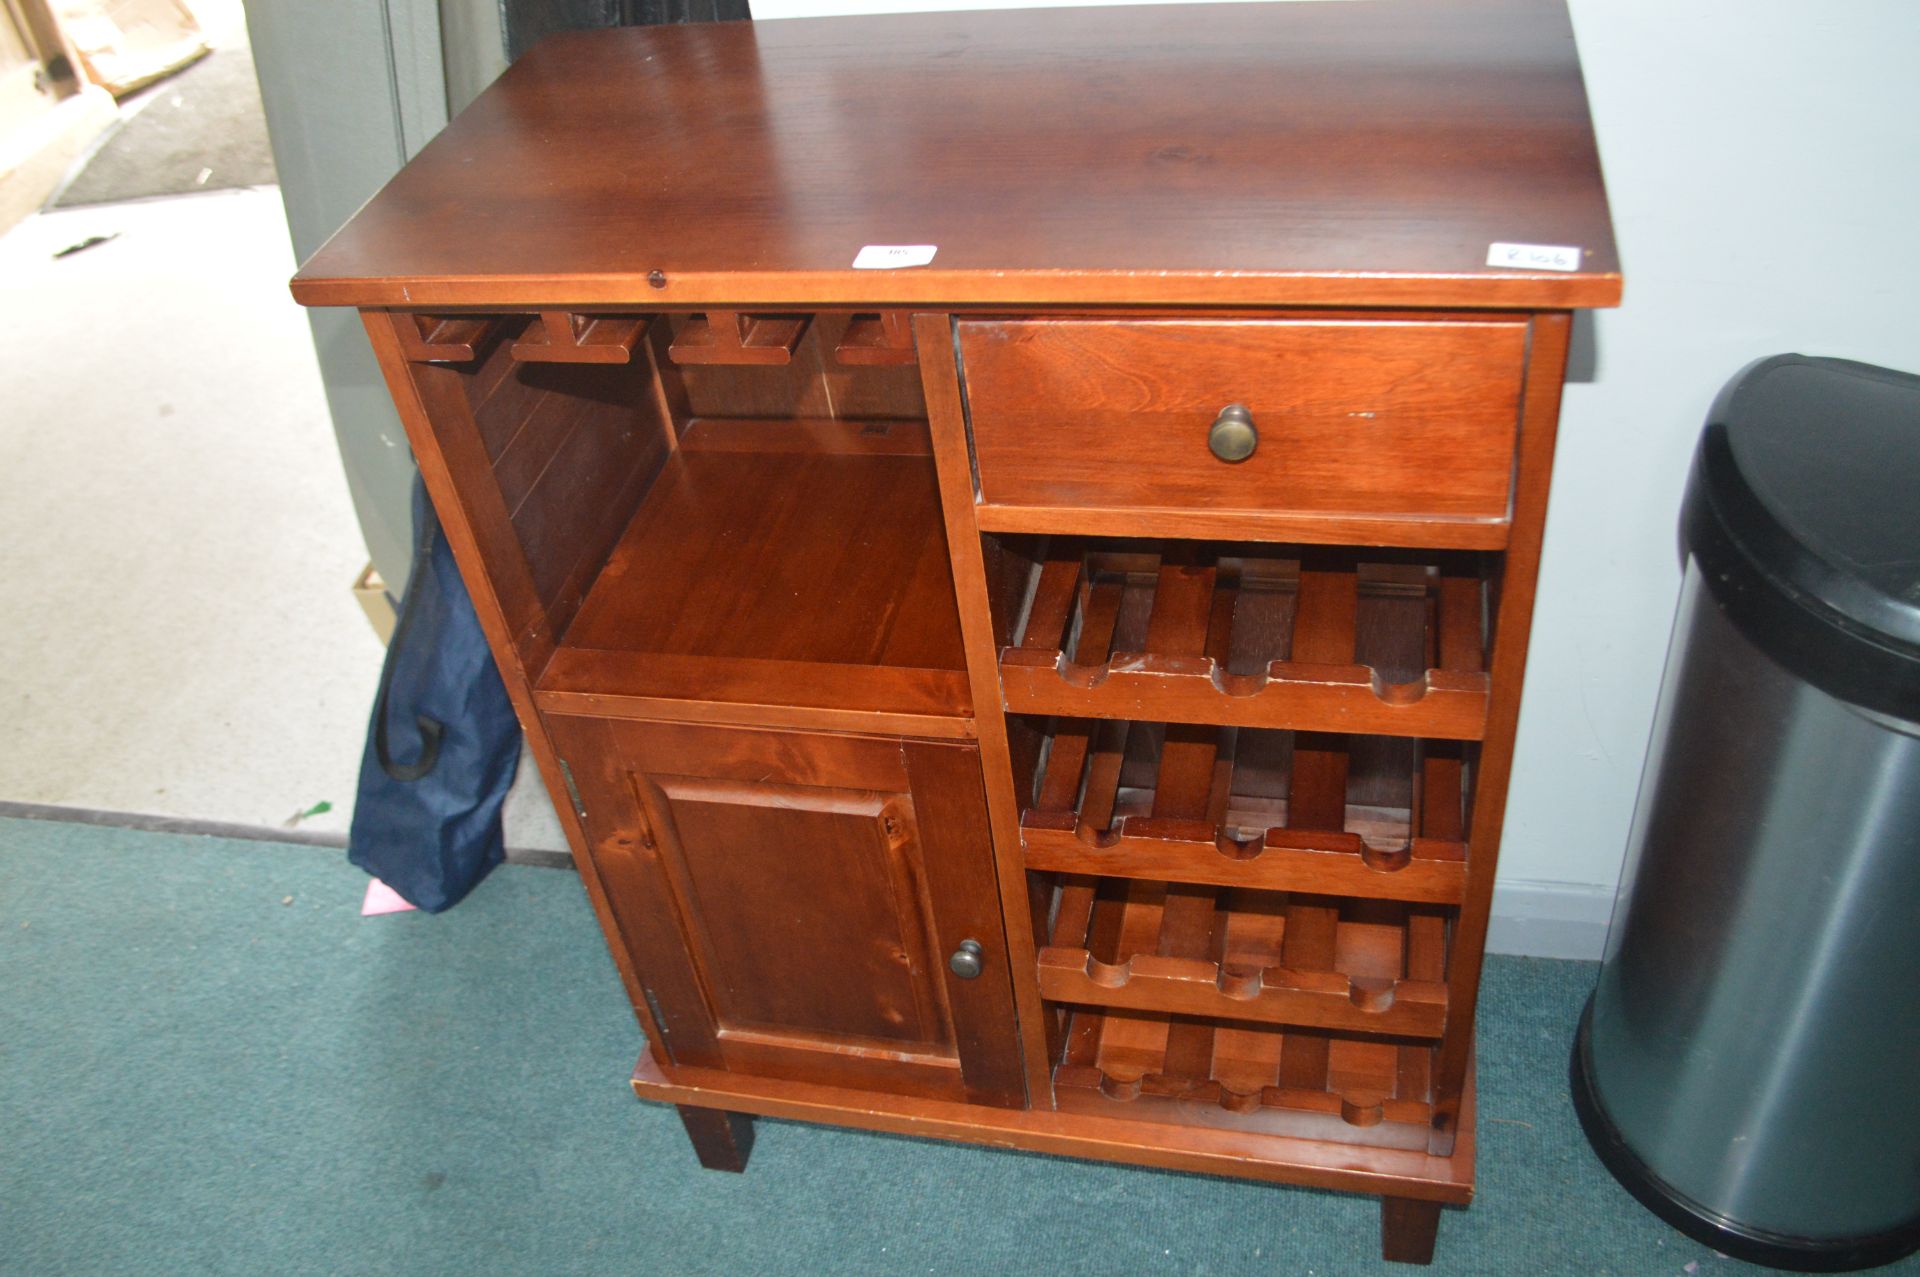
176	540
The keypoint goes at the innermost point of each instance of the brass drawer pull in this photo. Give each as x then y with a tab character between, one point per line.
1232	437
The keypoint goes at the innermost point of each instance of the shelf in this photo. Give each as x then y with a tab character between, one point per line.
1187	949
1326	642
1170	1041
1194	1072
1231	807
775	563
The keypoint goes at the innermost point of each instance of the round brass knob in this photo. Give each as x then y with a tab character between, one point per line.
1233	437
965	961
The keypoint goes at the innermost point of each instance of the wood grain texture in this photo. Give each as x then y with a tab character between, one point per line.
872	698
1117	1066
727	337
1231	664
571	451
1199	523
1209	1151
1394	841
1512	627
744	526
558	337
706	836
1191	616
946	424
637	914
877	340
1382	418
957	866
831	558
1199	1070
1324	626
1429	871
1271	995
814	384
1133	955
445	338
457	463
1289	694
1318	155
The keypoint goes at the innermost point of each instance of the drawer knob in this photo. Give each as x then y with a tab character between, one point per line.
966	960
1233	437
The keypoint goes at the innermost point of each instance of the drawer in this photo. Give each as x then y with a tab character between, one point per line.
1382	431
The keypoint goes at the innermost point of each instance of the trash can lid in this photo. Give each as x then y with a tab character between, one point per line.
1804	511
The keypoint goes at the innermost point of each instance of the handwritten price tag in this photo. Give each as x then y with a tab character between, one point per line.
1534	256
894	256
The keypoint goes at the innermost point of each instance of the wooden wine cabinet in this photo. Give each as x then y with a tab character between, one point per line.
1061	694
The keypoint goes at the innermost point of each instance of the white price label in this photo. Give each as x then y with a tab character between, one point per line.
893	256
1534	256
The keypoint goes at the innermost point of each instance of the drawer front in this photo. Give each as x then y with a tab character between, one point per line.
1355	419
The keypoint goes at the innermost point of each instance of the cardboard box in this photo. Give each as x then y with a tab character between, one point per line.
376	603
128	44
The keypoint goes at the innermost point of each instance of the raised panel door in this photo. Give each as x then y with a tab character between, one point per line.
790	900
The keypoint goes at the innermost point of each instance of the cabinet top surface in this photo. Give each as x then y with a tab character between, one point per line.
1360	153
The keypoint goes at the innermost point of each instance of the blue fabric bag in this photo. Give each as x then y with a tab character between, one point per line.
443	745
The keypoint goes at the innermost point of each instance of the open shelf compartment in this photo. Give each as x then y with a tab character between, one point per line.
1310	638
731	542
799	561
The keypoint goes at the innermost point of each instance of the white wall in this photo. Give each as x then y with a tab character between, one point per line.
1763	163
1763	159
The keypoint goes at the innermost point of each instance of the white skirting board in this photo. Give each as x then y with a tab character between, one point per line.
1550	919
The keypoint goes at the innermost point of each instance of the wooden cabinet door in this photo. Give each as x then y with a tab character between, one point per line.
791	899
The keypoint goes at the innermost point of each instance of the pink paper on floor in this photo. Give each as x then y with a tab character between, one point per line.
382	899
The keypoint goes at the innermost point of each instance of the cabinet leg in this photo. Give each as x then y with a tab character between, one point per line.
721	1140
1407	1229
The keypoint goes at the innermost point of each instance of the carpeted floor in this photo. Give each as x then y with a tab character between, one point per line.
202	129
195	638
209	1063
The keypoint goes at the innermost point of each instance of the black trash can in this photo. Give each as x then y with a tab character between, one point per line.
1749	1063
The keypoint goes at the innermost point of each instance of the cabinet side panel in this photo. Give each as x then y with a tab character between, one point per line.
459	474
643	924
1512	624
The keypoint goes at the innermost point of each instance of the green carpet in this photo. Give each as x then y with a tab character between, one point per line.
210	1063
